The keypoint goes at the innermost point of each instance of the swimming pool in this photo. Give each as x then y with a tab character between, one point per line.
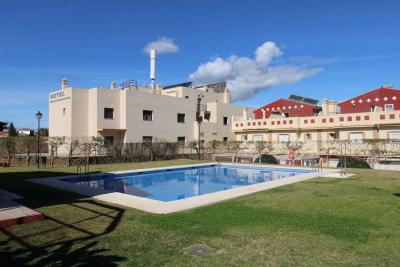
180	183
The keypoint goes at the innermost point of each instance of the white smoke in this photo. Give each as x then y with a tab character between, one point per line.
247	76
162	45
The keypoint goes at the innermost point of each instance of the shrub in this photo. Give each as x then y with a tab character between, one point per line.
266	158
353	162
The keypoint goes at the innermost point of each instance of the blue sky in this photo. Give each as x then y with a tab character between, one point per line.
353	44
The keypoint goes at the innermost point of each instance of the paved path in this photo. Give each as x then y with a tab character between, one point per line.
12	213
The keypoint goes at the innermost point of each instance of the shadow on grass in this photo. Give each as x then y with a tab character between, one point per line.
396	194
68	235
216	220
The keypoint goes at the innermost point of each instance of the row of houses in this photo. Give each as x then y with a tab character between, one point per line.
20	132
372	115
128	113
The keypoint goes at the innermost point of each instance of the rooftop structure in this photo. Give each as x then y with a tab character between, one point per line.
291	107
384	98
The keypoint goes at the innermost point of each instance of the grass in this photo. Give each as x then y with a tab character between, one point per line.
318	222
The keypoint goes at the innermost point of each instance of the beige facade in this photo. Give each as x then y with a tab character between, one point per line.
133	114
316	131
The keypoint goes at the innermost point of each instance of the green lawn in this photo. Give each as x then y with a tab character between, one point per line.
318	222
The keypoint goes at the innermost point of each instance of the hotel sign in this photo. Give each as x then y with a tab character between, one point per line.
58	96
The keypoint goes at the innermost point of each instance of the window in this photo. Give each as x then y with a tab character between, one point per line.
147	139
356	137
108	113
389	107
286	115
187	97
373	108
308	136
331	136
225	120
181	118
394	135
225	139
207	115
257	137
108	140
181	139
147	115
63	111
283	138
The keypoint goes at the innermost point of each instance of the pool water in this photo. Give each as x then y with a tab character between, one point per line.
180	183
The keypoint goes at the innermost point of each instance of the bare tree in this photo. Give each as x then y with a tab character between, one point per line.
27	143
261	147
87	147
329	147
192	145
235	146
294	147
54	144
73	144
213	145
9	145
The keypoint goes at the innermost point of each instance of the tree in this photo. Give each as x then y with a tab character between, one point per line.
261	146
88	146
329	147
28	145
12	131
54	144
294	146
73	144
235	146
213	145
147	146
192	145
9	145
44	131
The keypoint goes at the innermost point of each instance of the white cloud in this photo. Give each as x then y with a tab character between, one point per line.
266	52
247	76
162	45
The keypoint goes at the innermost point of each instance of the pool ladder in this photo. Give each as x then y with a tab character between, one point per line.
317	167
79	170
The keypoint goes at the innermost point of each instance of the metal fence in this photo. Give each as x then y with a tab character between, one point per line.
63	152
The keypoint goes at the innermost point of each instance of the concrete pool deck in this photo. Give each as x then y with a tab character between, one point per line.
160	207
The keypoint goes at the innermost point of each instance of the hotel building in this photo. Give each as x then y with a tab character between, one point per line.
128	113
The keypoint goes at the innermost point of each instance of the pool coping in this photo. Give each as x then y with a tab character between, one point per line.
160	207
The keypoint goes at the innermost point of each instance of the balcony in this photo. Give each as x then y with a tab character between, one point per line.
367	119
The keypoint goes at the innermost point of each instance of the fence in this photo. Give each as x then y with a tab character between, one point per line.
61	152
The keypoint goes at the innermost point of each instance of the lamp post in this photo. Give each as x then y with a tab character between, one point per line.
38	117
198	118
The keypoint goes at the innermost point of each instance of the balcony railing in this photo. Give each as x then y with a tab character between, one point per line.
319	122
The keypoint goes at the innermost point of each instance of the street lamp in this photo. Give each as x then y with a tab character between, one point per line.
39	116
199	119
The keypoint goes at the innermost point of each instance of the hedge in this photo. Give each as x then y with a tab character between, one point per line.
353	162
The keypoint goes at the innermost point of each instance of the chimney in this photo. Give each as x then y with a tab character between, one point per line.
159	89
64	84
329	107
153	59
244	113
113	86
227	96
